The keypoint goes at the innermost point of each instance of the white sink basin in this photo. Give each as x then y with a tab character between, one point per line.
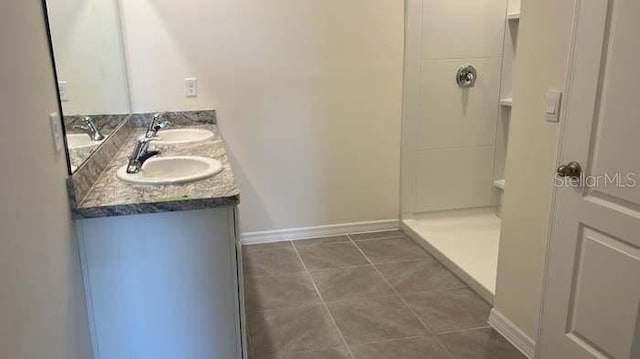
77	141
183	135
172	170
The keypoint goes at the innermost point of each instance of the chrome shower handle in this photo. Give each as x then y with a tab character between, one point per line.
466	76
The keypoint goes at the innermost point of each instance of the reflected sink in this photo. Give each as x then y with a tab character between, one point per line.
172	170
77	141
182	136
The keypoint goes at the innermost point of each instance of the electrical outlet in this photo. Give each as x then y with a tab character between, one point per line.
62	90
191	87
56	131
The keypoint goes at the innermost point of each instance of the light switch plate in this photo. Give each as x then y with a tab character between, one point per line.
553	105
191	87
56	132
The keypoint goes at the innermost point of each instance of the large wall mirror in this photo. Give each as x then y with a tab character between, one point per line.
91	67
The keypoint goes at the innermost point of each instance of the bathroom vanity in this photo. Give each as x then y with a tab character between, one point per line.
161	262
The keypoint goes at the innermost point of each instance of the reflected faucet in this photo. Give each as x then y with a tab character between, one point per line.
140	154
89	126
157	123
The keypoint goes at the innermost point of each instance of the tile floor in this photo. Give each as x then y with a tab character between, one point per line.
362	296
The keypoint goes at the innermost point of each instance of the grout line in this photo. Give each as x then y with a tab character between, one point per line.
392	288
309	245
404	301
429	330
355	299
274	274
338	268
326	307
434	335
283	309
463	330
396	339
444	347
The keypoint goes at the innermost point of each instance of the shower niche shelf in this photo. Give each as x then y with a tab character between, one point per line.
506	102
514	16
510	46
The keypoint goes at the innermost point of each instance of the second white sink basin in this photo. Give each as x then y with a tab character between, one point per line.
182	136
172	170
81	140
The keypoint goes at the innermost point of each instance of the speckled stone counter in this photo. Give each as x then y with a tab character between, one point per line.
110	196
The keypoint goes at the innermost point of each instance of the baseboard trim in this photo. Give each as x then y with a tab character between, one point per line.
319	231
512	333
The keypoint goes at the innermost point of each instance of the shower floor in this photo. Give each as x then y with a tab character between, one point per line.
466	241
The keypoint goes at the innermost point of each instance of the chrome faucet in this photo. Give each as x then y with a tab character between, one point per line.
140	154
156	125
89	126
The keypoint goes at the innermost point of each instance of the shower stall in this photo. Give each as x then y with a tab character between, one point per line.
457	107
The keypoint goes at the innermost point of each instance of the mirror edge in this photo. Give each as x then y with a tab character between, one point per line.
45	15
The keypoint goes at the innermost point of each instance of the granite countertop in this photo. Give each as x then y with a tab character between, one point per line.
110	196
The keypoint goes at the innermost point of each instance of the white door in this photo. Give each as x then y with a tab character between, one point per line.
592	286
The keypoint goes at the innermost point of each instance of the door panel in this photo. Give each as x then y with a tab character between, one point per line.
604	295
618	118
592	284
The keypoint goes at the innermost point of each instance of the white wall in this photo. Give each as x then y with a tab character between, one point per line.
42	311
543	49
450	133
308	94
89	55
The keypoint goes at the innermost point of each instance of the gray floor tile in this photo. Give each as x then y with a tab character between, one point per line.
479	344
279	291
265	246
250	353
292	330
272	261
419	276
391	250
449	310
321	240
333	353
328	256
351	283
376	235
415	348
368	320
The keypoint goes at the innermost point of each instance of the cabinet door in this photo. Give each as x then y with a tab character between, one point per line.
162	286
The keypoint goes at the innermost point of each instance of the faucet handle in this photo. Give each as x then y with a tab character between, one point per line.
162	124
85	123
140	153
156	124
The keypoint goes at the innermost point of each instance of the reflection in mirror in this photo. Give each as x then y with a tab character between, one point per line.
91	69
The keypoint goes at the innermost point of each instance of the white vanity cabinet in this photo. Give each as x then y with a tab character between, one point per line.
164	285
